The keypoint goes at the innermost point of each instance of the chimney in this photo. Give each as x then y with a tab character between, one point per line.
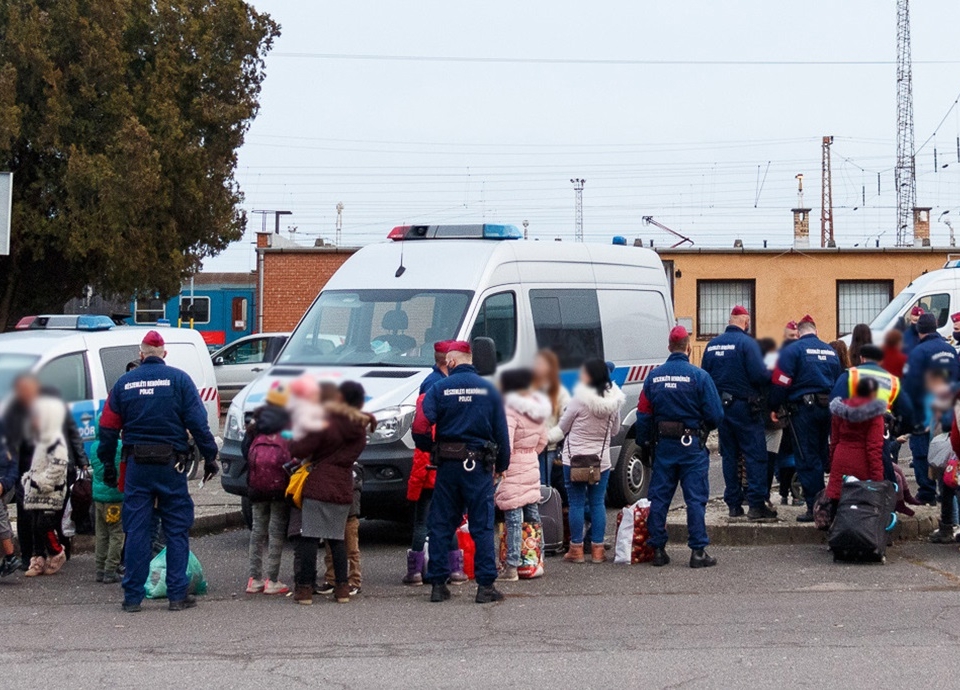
921	226
801	228
263	240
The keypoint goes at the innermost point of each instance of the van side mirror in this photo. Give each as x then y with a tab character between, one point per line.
484	356
218	361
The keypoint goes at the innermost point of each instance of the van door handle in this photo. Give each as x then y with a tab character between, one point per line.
257	370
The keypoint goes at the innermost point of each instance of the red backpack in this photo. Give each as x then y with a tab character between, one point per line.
266	477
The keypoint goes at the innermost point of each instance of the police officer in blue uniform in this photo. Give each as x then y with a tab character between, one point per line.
154	406
678	407
472	443
806	372
931	353
899	417
735	363
911	333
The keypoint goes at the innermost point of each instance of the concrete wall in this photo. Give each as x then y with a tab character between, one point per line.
791	283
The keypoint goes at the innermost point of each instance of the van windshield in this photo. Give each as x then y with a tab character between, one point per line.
890	311
11	366
376	327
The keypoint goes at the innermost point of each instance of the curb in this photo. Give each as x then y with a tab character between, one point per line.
747	534
202	526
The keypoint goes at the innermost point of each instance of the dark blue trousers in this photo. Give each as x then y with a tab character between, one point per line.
162	486
920	448
741	433
457	492
812	426
689	467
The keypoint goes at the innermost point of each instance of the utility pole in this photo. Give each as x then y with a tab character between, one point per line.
826	198
905	171
578	212
339	223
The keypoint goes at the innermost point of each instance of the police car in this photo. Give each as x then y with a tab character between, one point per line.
377	318
83	356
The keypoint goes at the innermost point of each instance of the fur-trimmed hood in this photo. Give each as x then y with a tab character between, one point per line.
857	410
536	405
611	401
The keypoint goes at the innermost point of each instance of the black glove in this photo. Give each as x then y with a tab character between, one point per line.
110	477
210	469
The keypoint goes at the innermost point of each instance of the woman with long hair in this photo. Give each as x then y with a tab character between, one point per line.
588	423
862	335
843	353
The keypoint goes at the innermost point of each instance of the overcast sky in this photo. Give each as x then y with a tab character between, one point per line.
709	149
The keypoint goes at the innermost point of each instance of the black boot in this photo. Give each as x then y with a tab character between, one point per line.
487	594
700	559
188	602
736	512
762	514
660	558
806	517
440	592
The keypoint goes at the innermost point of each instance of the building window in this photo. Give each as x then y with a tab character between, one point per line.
568	322
497	319
859	301
716	299
149	310
196	308
238	313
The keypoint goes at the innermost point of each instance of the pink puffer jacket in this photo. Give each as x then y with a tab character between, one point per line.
527	422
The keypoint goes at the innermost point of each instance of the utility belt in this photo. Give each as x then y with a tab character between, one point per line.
471	458
159	455
891	426
810	400
755	402
681	432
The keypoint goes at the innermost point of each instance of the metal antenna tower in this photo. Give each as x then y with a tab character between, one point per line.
826	198
578	214
339	223
905	174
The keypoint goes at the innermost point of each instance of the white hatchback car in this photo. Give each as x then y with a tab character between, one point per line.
243	360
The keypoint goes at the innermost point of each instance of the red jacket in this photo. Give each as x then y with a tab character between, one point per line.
332	453
420	477
856	442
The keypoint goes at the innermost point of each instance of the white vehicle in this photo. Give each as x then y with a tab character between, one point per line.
377	318
244	360
938	292
83	356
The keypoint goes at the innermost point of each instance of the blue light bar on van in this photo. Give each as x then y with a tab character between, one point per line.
66	322
486	231
90	322
953	263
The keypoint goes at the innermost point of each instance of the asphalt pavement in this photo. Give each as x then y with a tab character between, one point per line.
765	616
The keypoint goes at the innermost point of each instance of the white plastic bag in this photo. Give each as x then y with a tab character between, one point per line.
626	533
67	525
940	451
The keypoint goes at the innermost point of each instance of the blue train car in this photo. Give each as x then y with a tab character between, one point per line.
218	305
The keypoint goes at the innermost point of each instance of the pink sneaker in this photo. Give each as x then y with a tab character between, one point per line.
254	586
54	563
272	587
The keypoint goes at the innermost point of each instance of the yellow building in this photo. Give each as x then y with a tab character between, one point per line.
838	287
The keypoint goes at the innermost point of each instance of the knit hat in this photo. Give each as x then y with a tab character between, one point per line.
277	394
926	324
304	387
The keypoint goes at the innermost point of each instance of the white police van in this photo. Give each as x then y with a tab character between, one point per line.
938	292
377	318
83	356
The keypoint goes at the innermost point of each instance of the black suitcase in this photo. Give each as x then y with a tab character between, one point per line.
865	514
551	519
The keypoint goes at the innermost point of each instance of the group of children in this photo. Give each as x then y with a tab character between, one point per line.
304	484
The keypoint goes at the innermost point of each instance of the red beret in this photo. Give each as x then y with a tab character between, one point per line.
152	339
677	334
739	311
458	346
955	317
807	319
442	346
791	325
917	311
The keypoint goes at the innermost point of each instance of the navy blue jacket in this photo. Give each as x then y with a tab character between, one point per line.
154	404
933	352
434	376
735	364
677	391
901	406
805	366
9	468
466	408
911	338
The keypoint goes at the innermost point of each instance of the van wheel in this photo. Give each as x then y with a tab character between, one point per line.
247	512
194	463
631	476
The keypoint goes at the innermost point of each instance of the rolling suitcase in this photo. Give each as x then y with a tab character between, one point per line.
551	517
865	515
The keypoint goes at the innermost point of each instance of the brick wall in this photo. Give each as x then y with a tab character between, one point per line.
292	278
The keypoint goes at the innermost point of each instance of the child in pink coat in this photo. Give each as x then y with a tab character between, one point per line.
518	491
